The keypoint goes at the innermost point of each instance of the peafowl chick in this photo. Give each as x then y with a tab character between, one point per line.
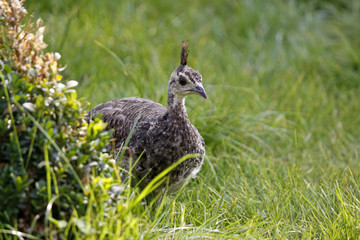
162	135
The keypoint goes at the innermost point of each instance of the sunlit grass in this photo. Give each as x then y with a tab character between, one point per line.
281	122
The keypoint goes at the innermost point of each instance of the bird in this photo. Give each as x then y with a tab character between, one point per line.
161	135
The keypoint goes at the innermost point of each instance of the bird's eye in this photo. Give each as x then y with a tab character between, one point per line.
182	81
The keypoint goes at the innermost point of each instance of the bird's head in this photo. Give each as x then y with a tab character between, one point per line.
185	81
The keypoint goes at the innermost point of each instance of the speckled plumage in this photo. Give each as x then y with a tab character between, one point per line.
163	135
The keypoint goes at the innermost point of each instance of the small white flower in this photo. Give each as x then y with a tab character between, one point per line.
30	37
92	164
16	4
60	87
71	84
70	91
29	106
22	35
82	133
57	56
39	36
39	22
31	72
39	39
23	68
48	101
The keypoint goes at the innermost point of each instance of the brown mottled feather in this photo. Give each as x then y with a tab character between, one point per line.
120	114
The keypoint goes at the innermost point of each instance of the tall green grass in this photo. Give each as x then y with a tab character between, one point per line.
281	122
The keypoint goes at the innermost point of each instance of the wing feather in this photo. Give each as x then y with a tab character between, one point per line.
120	114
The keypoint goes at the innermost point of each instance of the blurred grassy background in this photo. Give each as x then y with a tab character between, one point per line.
282	120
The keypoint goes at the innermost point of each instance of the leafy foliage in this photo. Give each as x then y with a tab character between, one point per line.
49	153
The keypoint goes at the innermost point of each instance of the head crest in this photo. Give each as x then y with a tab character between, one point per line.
184	53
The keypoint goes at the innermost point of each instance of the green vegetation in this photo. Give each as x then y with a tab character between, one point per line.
281	122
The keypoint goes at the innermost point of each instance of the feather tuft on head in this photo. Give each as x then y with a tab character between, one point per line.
184	53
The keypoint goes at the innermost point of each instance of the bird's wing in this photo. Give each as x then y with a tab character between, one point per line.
120	114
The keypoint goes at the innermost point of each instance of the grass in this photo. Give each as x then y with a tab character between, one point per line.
281	122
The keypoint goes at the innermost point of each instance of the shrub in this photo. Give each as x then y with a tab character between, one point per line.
50	158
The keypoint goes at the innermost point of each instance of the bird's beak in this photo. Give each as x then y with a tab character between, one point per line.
199	90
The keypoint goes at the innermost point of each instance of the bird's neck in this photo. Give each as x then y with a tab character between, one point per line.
176	106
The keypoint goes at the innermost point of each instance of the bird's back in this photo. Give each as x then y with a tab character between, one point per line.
120	115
